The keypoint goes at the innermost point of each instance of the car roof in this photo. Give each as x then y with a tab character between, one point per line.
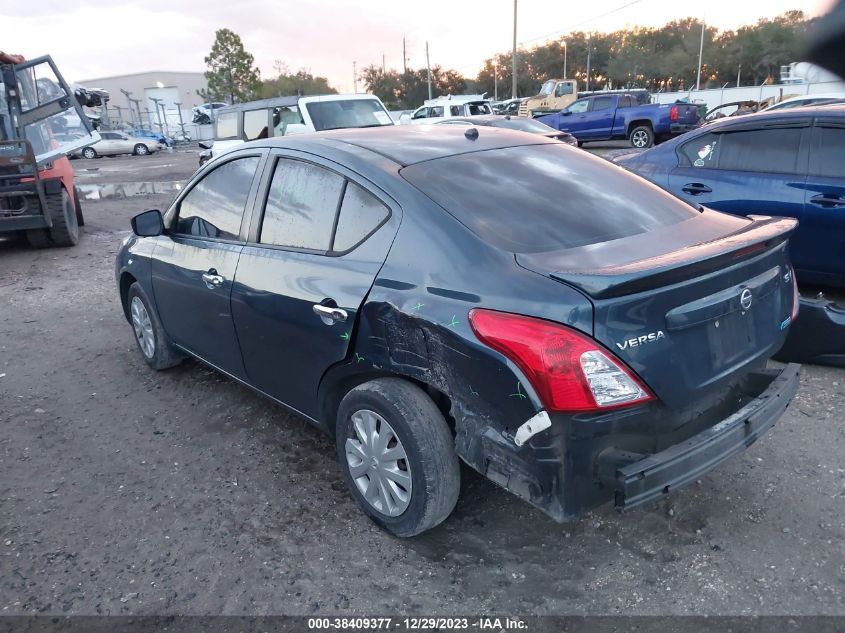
802	112
408	144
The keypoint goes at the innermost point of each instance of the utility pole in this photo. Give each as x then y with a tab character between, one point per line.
404	57
564	59
513	55
700	53
428	67
495	79
738	73
355	77
589	53
383	67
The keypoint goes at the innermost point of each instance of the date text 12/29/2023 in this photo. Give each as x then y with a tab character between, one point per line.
417	624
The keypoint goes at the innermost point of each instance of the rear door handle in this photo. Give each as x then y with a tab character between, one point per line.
212	280
695	188
329	314
828	200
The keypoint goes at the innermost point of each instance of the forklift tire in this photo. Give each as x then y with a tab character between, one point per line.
78	206
65	231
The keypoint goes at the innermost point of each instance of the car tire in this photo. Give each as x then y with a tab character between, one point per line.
89	152
641	137
152	340
141	150
427	493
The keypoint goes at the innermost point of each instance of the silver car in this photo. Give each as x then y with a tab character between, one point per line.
113	143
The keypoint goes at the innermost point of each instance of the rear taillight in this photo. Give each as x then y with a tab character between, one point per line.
796	299
673	113
568	370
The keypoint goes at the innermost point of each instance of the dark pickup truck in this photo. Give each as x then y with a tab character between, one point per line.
611	117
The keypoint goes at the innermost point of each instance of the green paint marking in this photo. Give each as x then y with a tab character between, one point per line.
358	357
519	393
418	306
345	336
454	322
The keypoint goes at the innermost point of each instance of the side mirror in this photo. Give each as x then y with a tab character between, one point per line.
566	113
148	224
205	145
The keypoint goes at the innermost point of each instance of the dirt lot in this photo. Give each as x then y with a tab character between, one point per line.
126	491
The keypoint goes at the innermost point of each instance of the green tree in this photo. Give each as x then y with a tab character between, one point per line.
231	75
288	84
408	90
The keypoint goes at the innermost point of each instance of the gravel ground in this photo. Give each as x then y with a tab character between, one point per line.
126	491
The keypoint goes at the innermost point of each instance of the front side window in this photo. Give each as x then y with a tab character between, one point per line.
830	157
602	103
255	124
579	106
436	111
547	88
563	88
284	116
227	125
422	113
772	150
455	110
301	206
479	108
360	214
214	207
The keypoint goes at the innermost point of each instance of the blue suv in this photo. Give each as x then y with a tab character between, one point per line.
784	163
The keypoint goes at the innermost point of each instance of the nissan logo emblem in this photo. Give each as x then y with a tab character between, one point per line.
745	299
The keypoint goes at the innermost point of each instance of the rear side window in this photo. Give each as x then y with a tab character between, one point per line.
830	156
301	206
255	124
772	150
702	151
227	125
360	214
215	206
545	197
601	103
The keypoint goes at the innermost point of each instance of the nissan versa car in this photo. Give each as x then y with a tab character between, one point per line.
430	294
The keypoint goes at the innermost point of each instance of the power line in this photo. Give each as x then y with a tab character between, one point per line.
583	22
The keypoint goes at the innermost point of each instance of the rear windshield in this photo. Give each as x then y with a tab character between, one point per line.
340	113
539	198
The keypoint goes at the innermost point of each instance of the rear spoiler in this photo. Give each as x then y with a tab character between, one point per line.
762	234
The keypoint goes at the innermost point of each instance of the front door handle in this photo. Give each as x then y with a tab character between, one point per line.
695	188
828	200
329	314
212	280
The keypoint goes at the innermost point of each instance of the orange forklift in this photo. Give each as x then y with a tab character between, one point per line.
41	123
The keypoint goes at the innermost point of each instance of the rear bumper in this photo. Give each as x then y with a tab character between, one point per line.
643	480
817	335
681	128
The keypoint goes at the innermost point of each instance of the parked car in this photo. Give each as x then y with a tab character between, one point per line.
284	116
143	132
508	106
523	124
113	143
442	108
784	162
808	100
618	116
430	294
204	114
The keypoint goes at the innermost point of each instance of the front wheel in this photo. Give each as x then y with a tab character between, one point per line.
141	150
397	455
89	152
153	342
641	137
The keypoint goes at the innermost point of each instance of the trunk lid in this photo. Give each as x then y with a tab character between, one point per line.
686	306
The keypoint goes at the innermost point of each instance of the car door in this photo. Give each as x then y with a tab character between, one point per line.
108	145
745	169
574	118
820	240
598	121
194	263
313	254
124	144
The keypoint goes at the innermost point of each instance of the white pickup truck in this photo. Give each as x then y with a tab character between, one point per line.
282	116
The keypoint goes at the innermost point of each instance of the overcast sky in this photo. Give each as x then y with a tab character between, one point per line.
98	38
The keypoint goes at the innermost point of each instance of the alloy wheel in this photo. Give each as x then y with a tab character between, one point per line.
639	139
143	327
378	463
